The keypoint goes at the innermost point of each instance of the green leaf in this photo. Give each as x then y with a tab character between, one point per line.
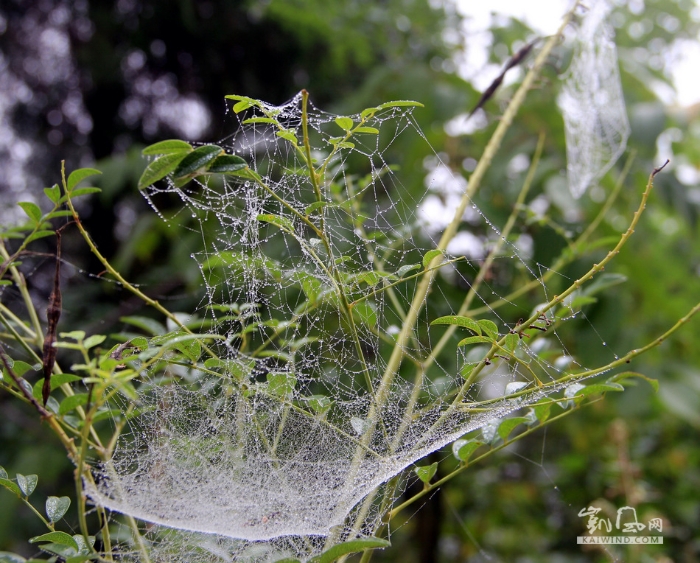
287	560
27	483
281	383
599	389
542	411
403	270
148	325
10	486
78	176
314	206
84	191
167	147
352	546
430	255
72	402
40	234
176	339
31	209
56	381
319	403
56	507
344	123
457	320
226	163
94	340
463	449
509	424
474	340
372	130
489	327
197	160
190	348
60	538
426	472
160	168
400	103
55	214
580	301
366	313
288	135
632	374
260	120
242	105
467	369
281	222
368	112
5	282
370	278
76	335
604	281
511	342
20	367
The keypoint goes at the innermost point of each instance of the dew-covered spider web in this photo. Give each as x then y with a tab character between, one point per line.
282	432
592	103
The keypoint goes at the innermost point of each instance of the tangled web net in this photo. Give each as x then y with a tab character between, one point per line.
592	103
292	433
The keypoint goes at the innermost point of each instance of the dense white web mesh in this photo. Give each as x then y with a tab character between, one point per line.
282	441
592	103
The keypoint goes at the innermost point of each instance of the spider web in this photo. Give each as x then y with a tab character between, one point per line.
592	103
287	441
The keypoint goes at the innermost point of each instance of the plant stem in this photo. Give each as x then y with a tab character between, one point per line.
423	287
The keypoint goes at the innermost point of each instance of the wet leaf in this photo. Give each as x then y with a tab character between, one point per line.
79	175
60	538
489	327
281	384
56	507
509	424
344	123
457	320
430	255
160	168
400	103
463	449
31	209
226	163
197	160
426	472
167	147
72	402
27	483
345	548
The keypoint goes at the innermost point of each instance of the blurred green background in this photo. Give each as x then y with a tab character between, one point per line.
91	82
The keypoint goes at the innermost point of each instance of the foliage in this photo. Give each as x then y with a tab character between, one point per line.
647	270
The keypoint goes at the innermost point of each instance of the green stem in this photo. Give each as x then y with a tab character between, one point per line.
437	484
570	254
418	300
